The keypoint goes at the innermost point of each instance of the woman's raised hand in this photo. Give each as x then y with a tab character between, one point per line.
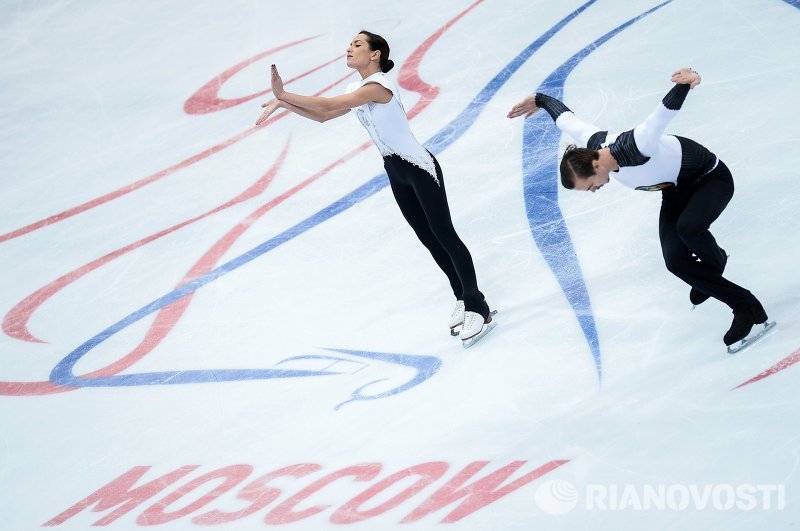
277	83
686	76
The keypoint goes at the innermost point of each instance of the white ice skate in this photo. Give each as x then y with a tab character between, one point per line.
475	328
457	319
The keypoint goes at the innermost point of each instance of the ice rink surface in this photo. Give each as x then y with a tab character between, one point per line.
207	323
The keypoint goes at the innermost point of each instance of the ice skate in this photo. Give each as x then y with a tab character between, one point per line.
742	325
752	338
475	327
457	319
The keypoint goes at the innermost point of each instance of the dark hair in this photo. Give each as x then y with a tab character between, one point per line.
577	164
376	42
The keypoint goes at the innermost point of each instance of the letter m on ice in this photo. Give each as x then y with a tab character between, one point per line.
121	494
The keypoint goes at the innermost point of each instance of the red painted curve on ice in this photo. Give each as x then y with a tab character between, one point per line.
408	77
93	203
206	100
785	363
169	315
15	323
24	309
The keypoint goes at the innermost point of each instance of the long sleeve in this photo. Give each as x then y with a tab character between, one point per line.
566	120
648	134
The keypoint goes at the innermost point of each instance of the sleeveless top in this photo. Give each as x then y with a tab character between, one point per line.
387	125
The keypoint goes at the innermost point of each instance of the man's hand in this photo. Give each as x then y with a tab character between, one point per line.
686	76
526	107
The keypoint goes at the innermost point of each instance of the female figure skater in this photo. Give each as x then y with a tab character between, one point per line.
414	173
695	185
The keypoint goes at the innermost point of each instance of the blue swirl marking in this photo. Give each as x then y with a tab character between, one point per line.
540	182
62	373
426	367
331	359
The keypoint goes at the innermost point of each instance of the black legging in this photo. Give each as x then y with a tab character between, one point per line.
686	215
424	205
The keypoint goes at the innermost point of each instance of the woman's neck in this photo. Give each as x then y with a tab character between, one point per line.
365	73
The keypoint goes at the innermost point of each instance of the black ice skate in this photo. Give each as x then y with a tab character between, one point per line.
743	322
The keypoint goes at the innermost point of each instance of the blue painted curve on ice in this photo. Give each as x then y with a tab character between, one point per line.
540	184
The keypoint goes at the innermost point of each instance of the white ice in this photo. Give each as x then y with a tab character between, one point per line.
107	369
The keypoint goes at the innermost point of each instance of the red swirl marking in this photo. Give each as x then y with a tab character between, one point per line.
785	363
408	77
15	323
169	315
206	100
88	205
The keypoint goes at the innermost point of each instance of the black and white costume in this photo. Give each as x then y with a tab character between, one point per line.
418	186
696	187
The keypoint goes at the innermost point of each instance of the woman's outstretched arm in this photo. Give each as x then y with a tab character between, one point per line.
274	105
371	92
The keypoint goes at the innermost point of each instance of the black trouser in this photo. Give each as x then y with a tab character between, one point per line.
423	203
686	214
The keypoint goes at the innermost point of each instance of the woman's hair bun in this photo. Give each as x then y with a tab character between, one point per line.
388	66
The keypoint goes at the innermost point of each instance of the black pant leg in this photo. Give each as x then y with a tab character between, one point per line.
707	201
432	199
683	229
412	211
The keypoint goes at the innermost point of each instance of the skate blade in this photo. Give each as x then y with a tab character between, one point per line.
746	342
